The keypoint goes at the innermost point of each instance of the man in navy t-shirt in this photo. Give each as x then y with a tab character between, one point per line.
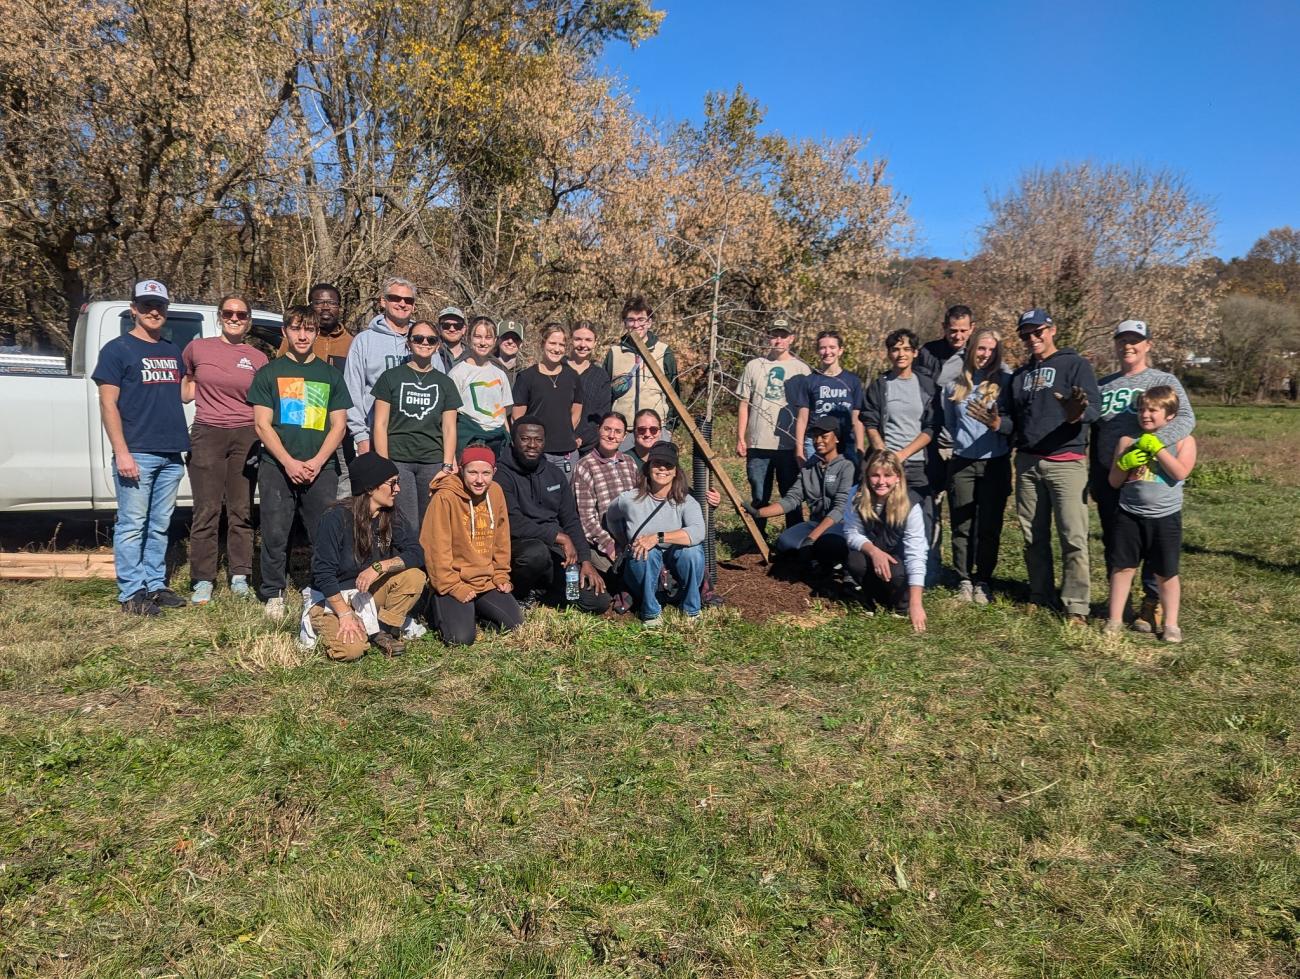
139	377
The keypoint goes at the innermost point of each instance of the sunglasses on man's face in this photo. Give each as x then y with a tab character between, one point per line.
1026	334
234	314
424	340
451	325
647	429
400	300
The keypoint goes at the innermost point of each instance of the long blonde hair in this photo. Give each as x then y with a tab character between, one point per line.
897	504
991	386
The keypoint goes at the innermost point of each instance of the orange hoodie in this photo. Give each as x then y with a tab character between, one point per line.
466	544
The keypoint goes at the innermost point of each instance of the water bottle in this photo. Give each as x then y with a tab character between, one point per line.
571	583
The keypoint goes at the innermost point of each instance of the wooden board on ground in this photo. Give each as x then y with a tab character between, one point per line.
23	565
705	449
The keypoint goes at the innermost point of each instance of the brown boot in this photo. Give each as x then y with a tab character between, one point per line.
388	644
1150	618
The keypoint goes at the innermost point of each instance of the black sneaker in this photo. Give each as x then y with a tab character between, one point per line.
166	598
141	604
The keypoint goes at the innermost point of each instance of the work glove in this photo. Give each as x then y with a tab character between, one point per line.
1150	444
750	509
1076	404
1134	458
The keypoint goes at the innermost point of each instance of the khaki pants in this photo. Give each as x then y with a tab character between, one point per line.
1046	491
395	595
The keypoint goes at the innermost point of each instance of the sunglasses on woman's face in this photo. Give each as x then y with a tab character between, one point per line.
234	314
423	340
647	429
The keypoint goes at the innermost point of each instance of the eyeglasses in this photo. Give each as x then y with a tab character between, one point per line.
326	303
400	300
393	483
647	429
423	340
234	314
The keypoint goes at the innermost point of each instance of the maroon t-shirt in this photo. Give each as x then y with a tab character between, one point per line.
222	373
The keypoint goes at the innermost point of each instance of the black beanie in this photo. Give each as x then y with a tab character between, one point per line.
368	471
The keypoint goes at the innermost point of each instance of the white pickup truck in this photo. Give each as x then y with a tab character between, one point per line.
54	454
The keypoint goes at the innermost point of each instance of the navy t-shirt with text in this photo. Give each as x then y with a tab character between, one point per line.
148	378
840	397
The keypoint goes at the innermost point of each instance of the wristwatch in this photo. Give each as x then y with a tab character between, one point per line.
447	467
661	537
377	567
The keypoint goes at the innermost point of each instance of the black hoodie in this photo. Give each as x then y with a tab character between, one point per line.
540	502
1039	416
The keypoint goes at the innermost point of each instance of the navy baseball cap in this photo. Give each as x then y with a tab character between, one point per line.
1033	319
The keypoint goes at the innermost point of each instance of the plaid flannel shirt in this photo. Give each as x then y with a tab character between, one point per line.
597	483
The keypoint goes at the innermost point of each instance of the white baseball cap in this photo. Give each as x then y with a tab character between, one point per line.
1134	326
151	289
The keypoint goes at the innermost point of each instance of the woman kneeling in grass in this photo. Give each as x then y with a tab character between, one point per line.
367	570
1148	526
885	530
466	541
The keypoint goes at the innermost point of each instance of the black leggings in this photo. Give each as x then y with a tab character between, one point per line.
456	620
891	594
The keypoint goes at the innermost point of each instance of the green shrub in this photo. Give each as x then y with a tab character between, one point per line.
1209	475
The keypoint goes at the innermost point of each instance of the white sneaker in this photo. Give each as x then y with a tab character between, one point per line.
274	608
982	595
965	592
413	631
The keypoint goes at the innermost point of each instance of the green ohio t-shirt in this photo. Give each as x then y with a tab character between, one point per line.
416	402
301	397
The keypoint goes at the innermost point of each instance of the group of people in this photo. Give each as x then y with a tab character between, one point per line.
477	487
942	423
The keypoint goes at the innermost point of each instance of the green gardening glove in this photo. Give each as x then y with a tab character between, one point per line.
1150	444
1134	458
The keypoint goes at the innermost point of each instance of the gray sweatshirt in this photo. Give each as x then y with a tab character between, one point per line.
627	514
825	487
373	351
1119	396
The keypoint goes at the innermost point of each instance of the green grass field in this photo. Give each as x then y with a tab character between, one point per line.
832	796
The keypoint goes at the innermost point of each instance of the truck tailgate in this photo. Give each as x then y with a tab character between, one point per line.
44	444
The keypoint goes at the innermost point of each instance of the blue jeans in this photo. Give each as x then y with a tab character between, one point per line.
685	563
144	512
761	467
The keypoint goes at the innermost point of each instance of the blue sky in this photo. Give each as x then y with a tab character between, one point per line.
962	97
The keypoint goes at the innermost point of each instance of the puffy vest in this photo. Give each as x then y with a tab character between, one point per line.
643	391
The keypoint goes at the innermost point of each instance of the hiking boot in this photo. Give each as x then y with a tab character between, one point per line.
622	603
239	585
1172	633
654	622
1076	620
274	608
202	593
388	644
1150	618
982	594
708	597
965	592
140	604
166	598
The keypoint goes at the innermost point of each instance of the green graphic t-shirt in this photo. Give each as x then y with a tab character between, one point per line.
300	397
416	402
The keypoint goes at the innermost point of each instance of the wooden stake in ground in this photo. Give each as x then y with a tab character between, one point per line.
705	449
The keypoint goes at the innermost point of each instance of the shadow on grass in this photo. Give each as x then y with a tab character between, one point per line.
1252	559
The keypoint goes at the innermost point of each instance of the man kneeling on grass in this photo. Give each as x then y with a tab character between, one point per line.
367	569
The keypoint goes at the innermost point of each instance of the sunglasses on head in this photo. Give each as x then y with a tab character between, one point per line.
647	429
234	314
424	340
404	300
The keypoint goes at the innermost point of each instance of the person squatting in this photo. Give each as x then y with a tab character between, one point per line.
478	488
